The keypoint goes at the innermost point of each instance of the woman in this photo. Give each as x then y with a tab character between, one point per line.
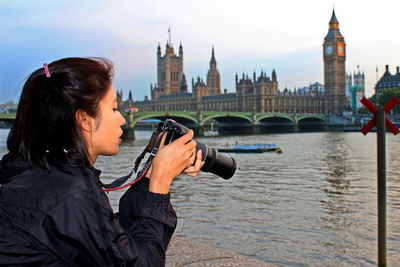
53	210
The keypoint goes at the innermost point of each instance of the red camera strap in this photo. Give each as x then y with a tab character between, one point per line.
117	184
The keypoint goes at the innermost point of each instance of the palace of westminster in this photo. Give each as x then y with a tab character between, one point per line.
253	94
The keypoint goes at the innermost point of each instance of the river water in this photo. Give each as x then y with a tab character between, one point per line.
312	205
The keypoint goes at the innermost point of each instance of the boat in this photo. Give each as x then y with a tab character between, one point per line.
256	148
210	133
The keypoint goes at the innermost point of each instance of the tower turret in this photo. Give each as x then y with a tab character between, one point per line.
130	96
169	71
213	77
213	62
274	79
183	87
180	71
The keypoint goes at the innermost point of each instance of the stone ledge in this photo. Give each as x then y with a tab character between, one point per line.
183	252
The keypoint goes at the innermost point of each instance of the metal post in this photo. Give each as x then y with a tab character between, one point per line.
381	149
131	130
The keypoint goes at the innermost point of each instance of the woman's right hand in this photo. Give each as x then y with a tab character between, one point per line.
170	161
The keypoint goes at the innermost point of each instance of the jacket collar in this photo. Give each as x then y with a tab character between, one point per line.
11	165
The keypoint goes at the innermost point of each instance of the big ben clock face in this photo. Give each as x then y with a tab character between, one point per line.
328	50
340	49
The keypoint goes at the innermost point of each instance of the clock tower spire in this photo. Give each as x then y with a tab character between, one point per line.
334	50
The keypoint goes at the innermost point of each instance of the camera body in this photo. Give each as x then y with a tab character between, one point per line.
215	163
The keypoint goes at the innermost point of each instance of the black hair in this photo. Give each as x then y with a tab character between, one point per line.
45	130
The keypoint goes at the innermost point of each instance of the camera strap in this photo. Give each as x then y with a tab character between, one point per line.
118	183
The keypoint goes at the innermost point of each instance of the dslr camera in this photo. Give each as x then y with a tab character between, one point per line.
215	162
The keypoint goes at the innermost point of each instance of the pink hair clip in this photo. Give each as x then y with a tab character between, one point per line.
46	69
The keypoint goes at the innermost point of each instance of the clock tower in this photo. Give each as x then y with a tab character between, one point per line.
334	68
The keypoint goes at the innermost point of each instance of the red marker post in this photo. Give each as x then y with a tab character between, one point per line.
381	123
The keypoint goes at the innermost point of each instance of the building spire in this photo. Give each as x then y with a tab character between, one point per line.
213	62
181	50
333	31
334	22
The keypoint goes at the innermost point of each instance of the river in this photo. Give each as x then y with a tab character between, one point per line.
315	204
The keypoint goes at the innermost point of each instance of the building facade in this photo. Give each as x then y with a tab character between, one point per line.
257	94
355	89
334	50
313	87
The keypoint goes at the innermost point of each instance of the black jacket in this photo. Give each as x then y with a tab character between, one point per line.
62	217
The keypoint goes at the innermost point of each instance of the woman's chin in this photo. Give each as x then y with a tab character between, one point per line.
112	152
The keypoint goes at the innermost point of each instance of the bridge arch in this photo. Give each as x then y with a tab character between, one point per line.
228	123
163	115
276	119
228	115
311	119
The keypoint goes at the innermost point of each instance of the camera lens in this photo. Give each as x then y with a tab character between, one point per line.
216	163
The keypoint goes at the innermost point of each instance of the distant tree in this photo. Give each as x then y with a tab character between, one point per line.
373	99
363	110
387	95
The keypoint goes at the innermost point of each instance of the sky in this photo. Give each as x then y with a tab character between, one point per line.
248	36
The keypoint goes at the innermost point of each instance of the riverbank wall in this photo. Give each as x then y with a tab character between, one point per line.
184	252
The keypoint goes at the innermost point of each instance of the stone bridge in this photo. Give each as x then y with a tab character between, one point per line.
245	122
227	121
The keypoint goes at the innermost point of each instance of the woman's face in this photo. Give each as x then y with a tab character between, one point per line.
106	134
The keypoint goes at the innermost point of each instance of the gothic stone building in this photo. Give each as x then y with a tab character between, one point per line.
259	94
334	68
388	81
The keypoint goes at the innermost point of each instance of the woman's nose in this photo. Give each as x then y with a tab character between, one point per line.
123	121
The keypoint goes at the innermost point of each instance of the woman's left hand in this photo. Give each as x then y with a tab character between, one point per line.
193	170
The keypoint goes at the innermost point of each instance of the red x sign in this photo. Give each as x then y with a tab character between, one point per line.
371	124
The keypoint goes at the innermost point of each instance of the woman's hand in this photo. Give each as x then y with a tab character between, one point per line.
171	160
193	170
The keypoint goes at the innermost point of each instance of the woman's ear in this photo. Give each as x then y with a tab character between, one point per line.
83	120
